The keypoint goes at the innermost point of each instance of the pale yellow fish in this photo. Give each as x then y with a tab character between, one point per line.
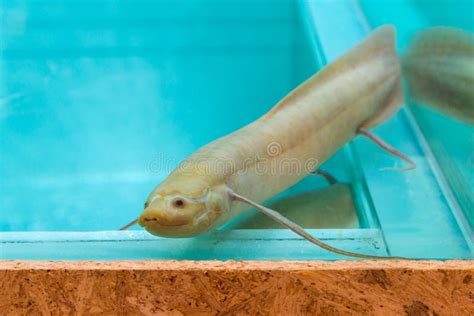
238	171
439	69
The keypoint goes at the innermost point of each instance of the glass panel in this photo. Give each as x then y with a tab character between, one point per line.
450	139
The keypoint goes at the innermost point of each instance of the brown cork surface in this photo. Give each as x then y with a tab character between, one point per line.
236	288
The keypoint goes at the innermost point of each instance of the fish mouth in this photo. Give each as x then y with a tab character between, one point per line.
146	222
172	231
184	228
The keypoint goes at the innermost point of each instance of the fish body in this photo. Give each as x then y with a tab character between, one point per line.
360	89
439	70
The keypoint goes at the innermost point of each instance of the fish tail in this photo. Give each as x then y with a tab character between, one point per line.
439	70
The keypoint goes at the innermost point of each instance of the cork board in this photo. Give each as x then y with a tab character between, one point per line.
237	288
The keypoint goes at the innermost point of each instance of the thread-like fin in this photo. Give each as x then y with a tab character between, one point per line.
387	147
326	175
134	222
300	230
379	44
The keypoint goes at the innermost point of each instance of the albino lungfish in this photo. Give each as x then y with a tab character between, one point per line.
222	179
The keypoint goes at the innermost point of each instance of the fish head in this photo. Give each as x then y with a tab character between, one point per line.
186	210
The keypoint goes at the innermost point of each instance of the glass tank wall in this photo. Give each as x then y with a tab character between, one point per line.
450	139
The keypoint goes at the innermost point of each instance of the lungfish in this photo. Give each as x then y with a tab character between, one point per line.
227	177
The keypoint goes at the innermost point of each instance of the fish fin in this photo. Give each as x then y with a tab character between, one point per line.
300	230
326	175
387	147
380	43
134	222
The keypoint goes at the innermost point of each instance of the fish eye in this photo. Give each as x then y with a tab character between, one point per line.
179	203
146	205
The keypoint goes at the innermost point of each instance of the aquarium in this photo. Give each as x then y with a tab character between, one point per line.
100	100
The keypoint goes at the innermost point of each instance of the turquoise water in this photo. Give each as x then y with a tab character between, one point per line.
100	100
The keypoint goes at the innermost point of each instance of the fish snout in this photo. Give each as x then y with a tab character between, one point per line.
152	217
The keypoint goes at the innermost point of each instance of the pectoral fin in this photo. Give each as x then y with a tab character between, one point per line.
300	230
